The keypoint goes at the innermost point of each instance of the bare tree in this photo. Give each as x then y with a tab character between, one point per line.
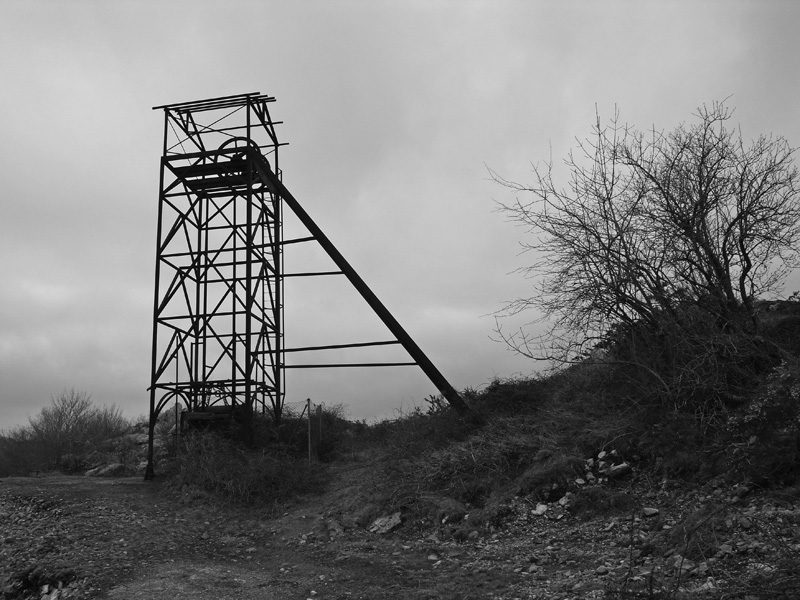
71	425
652	228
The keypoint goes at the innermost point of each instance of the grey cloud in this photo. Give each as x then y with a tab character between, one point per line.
391	112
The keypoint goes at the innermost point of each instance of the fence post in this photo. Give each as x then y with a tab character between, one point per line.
308	414
319	417
177	431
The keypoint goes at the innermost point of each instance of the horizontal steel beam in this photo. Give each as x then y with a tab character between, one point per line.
350	365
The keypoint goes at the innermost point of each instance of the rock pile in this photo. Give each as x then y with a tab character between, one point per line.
127	454
607	465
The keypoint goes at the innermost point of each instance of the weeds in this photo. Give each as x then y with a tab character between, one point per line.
705	546
61	435
229	471
598	500
525	437
766	433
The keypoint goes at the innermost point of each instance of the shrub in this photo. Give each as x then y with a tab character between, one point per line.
73	426
61	435
548	479
331	433
17	456
417	433
780	323
229	471
692	365
699	534
767	432
510	395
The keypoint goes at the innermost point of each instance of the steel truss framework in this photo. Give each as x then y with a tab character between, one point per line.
218	305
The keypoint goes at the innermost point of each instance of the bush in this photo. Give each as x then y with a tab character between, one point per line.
510	395
419	432
331	433
699	534
229	471
61	435
767	433
17	455
780	323
528	437
688	364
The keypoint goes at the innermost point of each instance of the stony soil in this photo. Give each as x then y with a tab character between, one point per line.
78	537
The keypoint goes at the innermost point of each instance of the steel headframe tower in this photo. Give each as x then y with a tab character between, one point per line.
218	307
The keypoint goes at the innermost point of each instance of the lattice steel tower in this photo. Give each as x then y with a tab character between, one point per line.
218	305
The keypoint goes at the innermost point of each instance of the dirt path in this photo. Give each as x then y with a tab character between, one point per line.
127	539
124	539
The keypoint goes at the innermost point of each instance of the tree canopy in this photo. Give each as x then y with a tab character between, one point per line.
653	226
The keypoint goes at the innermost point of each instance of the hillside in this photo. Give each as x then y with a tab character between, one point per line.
589	483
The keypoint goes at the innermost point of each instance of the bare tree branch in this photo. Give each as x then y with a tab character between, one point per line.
650	224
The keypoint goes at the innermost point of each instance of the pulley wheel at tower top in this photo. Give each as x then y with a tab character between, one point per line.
240	146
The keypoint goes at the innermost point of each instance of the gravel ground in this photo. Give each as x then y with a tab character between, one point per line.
78	537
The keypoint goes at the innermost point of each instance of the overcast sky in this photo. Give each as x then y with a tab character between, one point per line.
392	112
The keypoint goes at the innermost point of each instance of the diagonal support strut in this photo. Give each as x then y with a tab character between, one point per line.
436	377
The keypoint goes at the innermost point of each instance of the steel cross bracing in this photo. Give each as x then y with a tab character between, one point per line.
218	302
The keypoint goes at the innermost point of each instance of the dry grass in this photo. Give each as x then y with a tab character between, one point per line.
228	471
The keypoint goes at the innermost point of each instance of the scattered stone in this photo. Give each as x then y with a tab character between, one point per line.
385	524
725	549
574	554
684	565
620	470
710	584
